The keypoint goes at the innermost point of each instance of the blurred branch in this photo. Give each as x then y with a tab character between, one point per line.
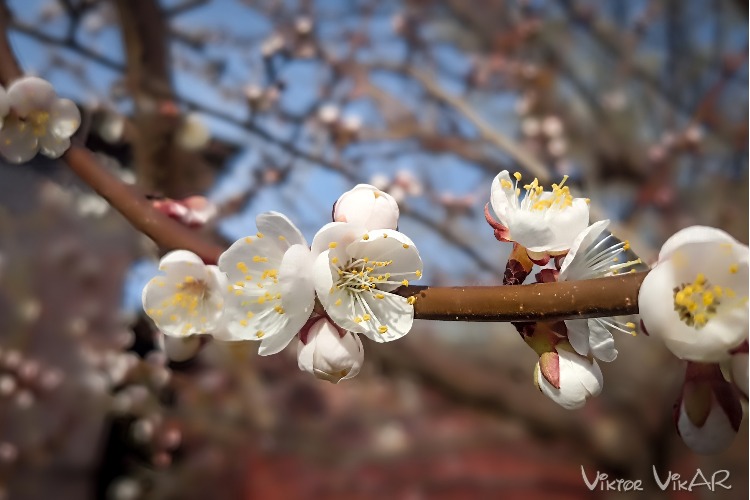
487	131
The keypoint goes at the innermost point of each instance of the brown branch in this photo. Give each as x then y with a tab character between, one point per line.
613	296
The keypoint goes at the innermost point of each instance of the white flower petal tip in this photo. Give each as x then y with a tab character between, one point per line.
330	353
568	378
36	121
696	297
709	413
355	275
544	222
188	298
367	206
270	294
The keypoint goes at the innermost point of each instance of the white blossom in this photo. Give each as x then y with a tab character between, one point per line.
367	206
330	353
695	298
37	121
568	378
544	222
188	298
589	259
355	271
271	294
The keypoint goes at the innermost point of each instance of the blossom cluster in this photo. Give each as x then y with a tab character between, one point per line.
695	299
265	286
33	119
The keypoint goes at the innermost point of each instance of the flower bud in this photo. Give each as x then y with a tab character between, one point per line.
367	206
708	413
329	352
182	348
568	378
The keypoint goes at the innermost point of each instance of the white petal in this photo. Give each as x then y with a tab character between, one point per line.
580	245
29	94
393	312
280	229
52	147
601	341
297	298
694	234
502	198
340	233
65	118
17	143
305	354
251	256
564	226
580	379
714	436
578	335
181	262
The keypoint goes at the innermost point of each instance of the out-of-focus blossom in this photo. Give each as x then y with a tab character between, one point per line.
37	121
188	298
330	353
543	222
271	294
552	126
589	259
272	45
695	298
194	211
708	413
193	134
354	272
530	127
568	378
328	114
367	206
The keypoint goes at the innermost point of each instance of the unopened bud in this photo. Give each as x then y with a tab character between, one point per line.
367	206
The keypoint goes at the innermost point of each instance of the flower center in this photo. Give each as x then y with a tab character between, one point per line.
38	120
698	302
363	275
536	199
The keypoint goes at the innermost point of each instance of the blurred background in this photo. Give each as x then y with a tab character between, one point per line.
283	105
